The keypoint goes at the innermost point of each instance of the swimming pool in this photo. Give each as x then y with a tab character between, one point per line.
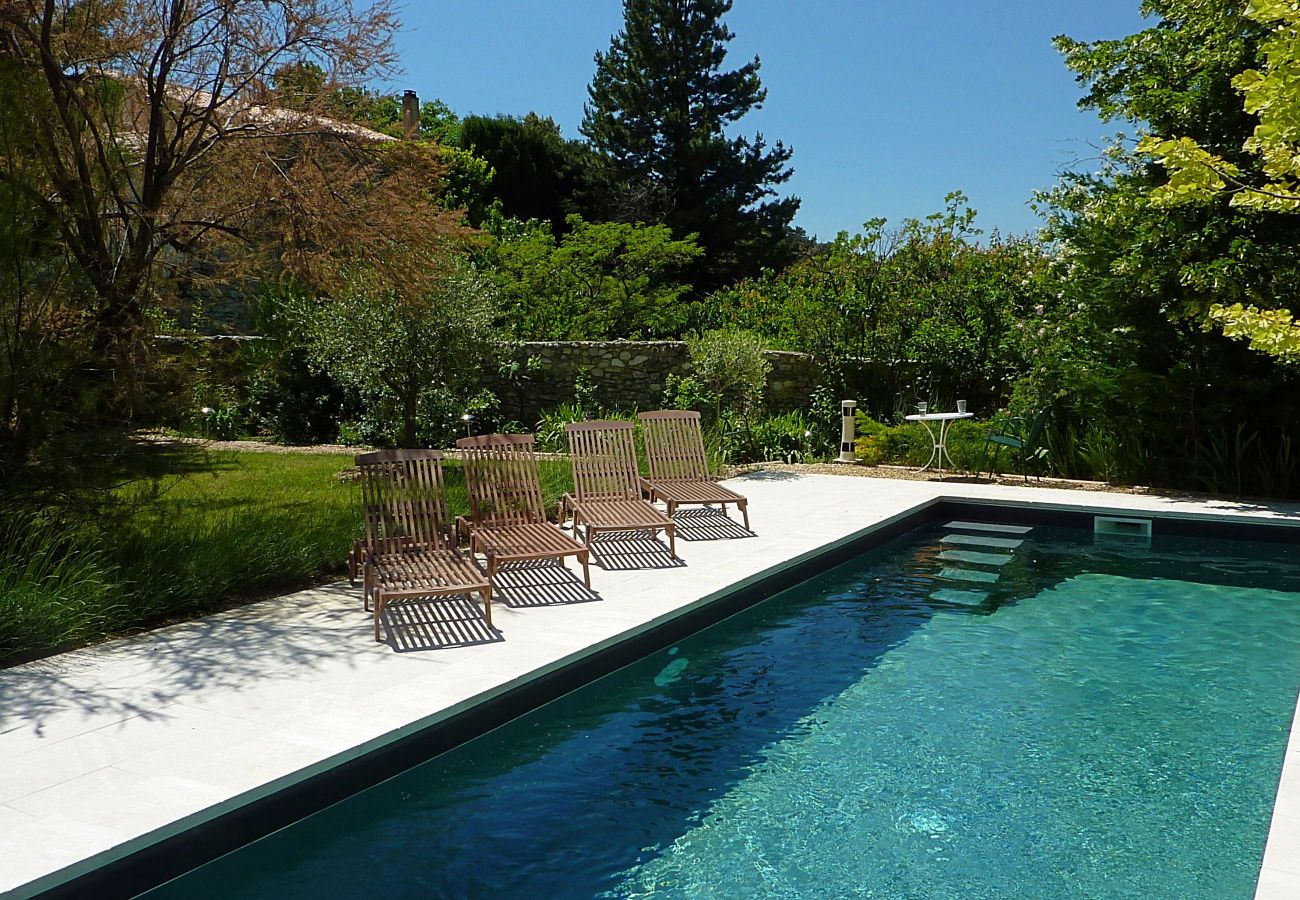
963	712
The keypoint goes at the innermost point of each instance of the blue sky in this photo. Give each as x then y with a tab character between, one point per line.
888	105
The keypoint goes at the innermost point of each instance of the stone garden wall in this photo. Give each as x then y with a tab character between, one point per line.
630	375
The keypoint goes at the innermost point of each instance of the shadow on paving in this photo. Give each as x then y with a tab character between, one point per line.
252	645
545	582
440	623
625	550
706	523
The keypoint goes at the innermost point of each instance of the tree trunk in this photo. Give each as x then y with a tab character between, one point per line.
408	420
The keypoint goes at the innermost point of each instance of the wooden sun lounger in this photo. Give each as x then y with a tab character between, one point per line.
507	520
679	470
407	551
607	488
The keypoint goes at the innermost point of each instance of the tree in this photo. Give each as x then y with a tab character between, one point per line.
1271	93
1196	174
400	352
39	323
158	152
658	110
731	367
599	281
930	301
1126	350
537	173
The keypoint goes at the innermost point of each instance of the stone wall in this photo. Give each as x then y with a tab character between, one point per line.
630	375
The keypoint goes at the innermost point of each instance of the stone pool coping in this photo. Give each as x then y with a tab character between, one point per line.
111	749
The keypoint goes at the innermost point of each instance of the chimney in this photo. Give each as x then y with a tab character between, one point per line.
410	114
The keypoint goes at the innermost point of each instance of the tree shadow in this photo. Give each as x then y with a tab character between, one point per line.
541	582
771	475
237	650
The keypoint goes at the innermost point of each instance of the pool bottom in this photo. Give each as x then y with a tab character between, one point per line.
1045	759
189	849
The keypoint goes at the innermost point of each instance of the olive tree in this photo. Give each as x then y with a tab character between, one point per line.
401	351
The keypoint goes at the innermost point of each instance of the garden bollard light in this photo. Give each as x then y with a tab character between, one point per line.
848	407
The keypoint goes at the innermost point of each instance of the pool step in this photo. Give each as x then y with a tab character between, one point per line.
990	526
975	556
968	545
982	540
960	597
955	574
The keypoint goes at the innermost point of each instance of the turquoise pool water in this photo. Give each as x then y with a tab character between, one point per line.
1071	720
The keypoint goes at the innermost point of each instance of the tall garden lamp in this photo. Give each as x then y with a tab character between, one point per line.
847	409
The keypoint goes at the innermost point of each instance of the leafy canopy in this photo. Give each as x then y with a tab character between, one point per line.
600	280
929	290
1144	389
1197	174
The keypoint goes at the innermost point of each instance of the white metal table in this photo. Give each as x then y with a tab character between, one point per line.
940	440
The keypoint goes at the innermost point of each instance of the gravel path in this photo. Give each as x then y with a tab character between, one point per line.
908	474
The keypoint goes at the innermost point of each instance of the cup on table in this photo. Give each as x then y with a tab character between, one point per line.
922	408
961	406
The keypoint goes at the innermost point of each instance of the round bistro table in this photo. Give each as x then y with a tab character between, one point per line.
940	440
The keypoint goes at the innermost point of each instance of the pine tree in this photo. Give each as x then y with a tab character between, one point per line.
658	110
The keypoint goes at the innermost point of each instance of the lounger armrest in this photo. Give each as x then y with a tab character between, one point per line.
463	528
647	488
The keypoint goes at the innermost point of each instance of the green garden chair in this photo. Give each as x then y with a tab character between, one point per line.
1023	436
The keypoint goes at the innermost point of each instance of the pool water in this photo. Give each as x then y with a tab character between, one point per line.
1063	718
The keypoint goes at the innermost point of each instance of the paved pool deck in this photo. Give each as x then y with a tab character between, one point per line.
110	749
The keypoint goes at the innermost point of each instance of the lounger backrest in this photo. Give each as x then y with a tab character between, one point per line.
502	479
404	499
674	445
603	456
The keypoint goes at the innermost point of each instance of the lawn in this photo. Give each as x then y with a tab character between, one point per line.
193	531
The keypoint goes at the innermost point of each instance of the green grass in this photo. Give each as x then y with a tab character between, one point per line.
189	532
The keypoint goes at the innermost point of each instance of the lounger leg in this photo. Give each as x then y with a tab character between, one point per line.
672	509
744	511
379	609
586	572
672	539
487	604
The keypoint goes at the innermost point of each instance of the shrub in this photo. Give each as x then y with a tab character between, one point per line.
910	444
787	437
685	392
731	368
